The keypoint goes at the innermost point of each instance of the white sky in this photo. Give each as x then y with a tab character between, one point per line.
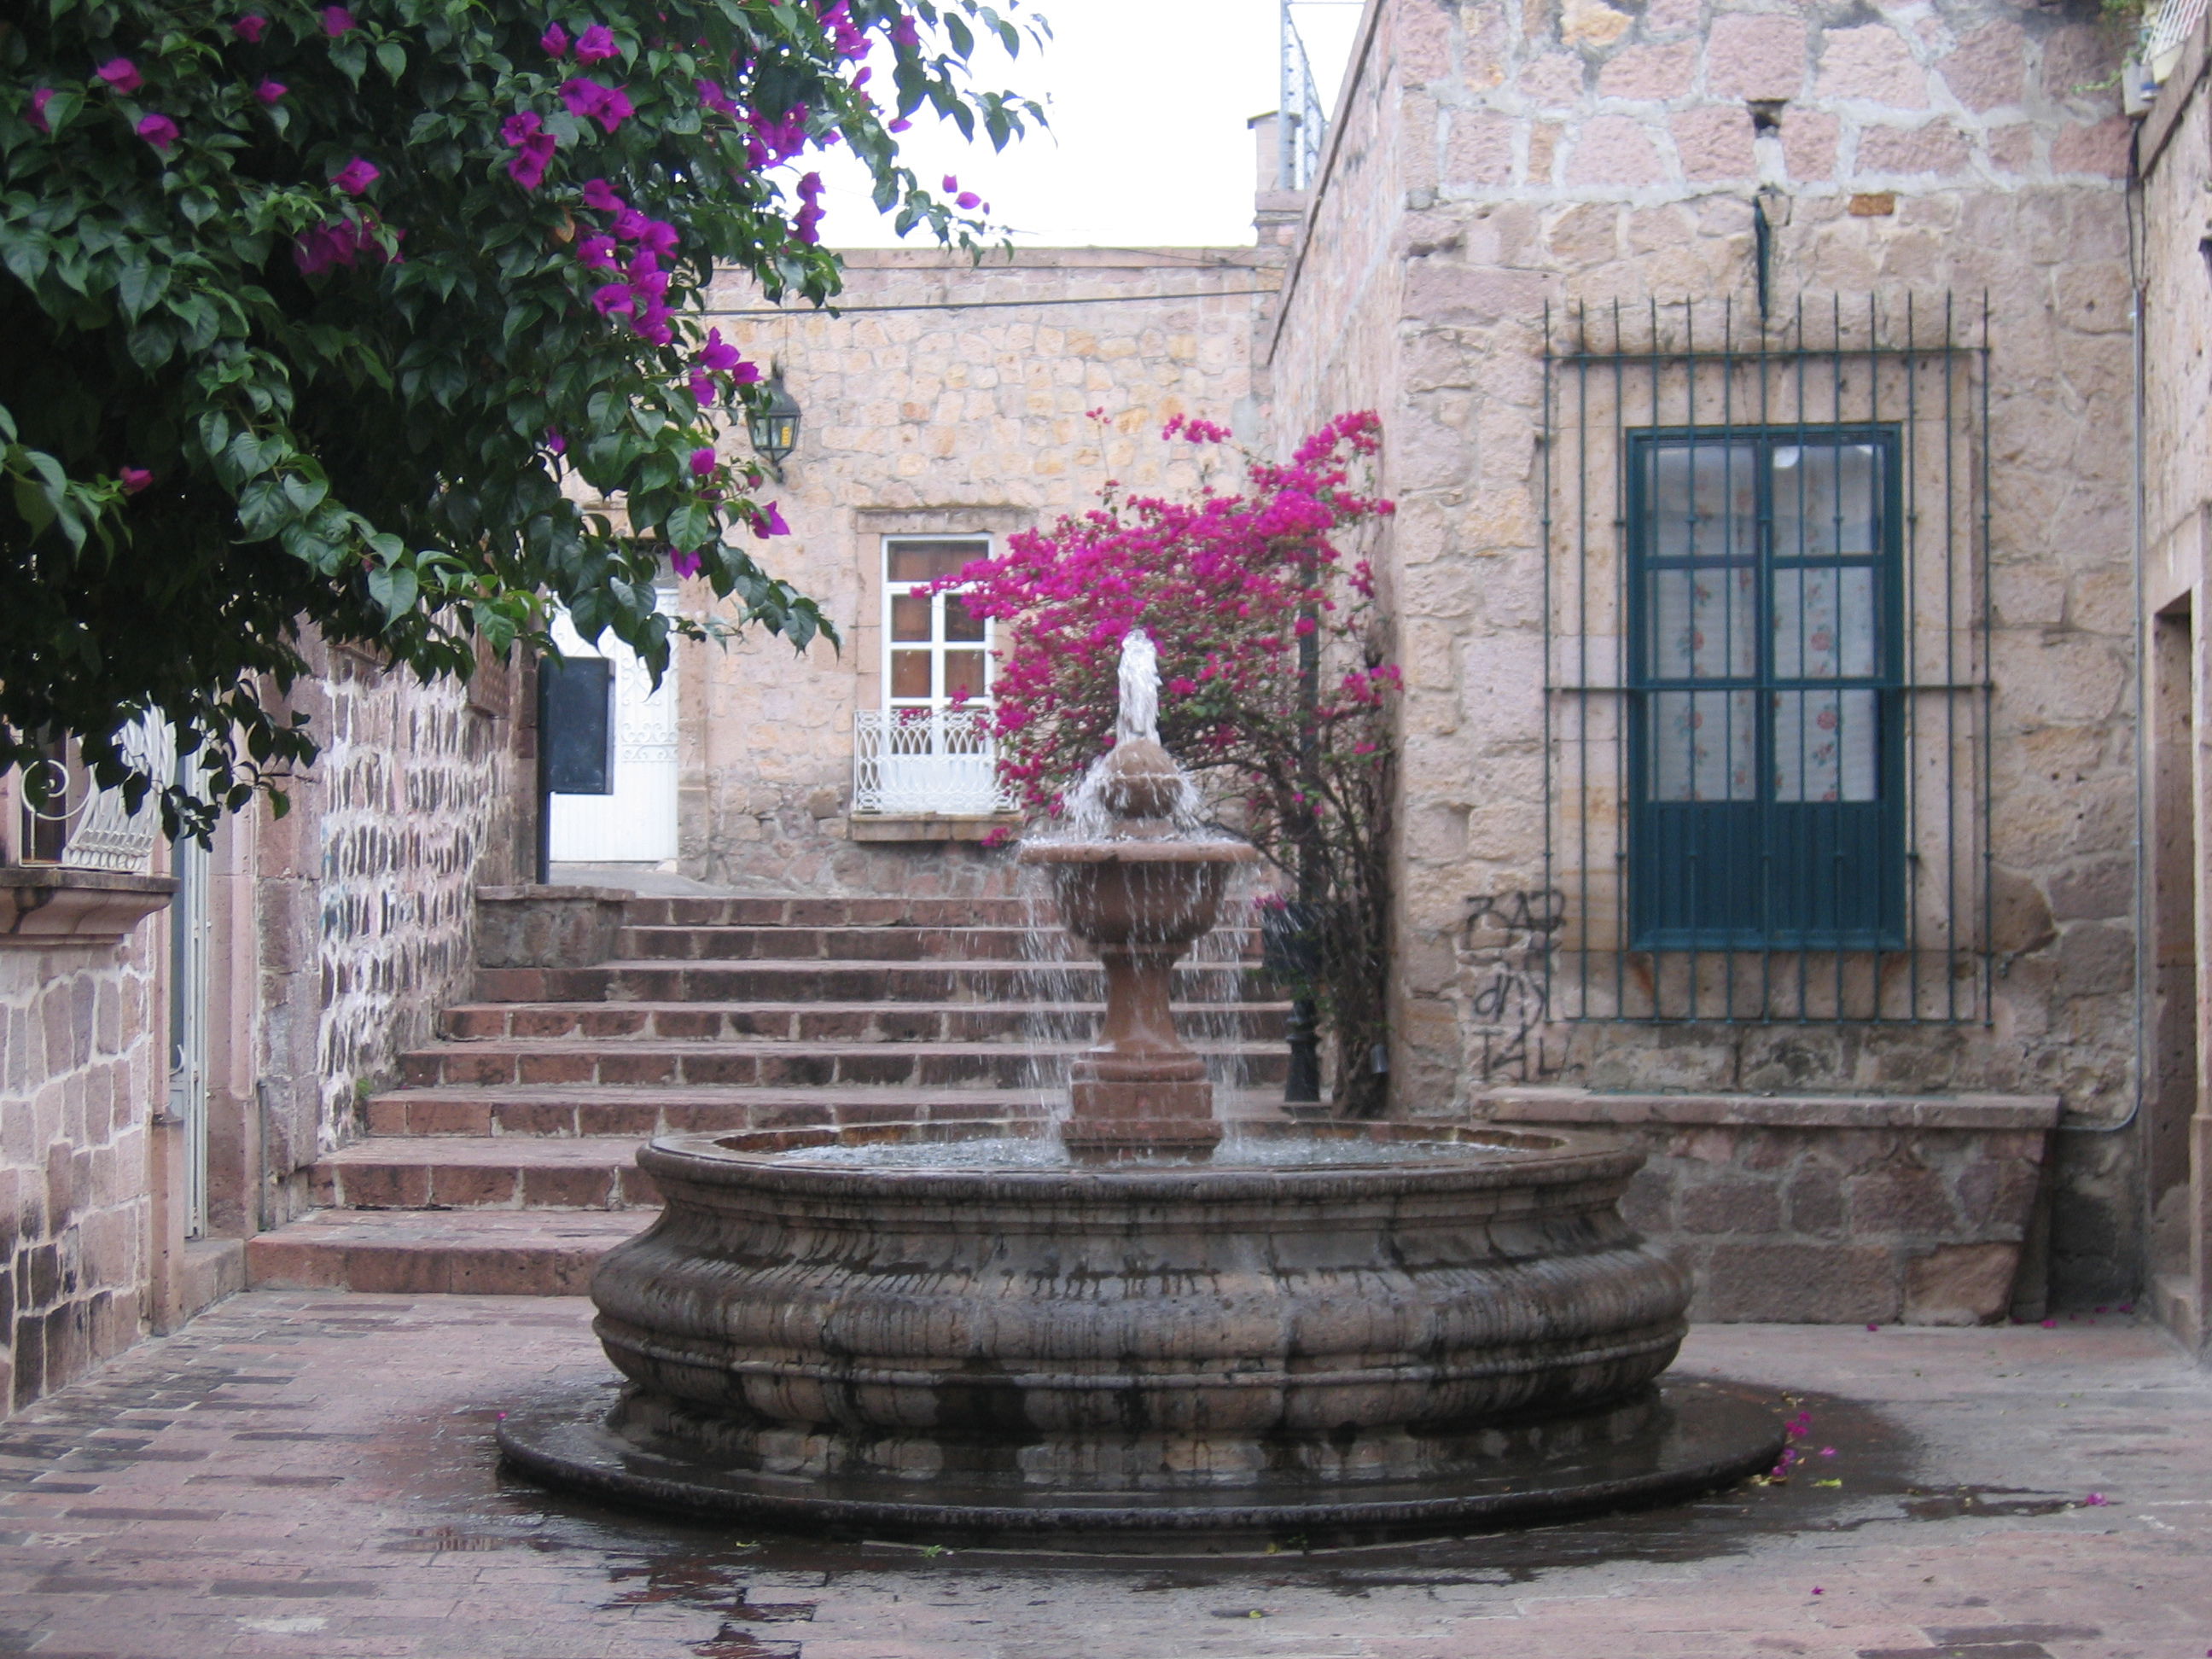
1147	101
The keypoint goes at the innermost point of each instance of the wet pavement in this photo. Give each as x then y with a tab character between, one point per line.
311	1475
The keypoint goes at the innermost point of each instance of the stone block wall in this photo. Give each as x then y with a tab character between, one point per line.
1577	153
947	421
1821	1210
363	904
81	1074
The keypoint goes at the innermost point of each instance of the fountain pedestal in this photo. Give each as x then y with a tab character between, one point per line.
1138	896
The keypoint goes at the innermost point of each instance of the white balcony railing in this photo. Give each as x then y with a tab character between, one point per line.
84	827
907	762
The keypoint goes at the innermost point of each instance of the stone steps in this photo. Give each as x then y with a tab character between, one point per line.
504	1161
826	1022
500	1063
1002	983
441	1252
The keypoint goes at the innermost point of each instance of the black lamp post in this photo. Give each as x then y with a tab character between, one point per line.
775	431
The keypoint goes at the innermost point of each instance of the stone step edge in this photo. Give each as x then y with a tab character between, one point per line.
447	1252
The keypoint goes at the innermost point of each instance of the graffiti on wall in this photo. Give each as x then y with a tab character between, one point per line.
1505	945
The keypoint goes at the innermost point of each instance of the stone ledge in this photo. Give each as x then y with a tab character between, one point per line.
1963	1112
548	927
931	826
45	905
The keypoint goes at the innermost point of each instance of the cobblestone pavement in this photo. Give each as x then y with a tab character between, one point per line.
312	1475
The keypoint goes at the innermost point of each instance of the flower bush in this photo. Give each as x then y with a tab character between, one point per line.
309	311
1276	692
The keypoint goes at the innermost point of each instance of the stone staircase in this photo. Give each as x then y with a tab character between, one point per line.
503	1163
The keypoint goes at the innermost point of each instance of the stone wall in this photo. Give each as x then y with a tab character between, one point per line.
2174	153
81	1076
923	420
1577	154
364	890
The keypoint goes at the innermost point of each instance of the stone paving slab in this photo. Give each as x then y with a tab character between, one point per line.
302	1474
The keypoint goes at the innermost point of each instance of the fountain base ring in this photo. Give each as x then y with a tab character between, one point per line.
1689	1438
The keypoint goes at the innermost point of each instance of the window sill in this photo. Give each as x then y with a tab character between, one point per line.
45	905
931	826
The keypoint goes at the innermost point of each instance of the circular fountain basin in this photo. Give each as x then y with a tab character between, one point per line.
1329	1332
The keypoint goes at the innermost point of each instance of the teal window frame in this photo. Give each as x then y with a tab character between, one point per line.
1761	866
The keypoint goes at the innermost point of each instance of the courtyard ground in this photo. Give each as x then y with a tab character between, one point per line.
313	1475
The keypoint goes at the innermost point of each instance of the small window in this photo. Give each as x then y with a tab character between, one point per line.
1765	765
936	655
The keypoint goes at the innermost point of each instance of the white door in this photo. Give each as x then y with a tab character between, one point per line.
637	823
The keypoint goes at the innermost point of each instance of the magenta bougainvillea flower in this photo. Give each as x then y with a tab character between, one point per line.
157	130
600	198
598	253
718	354
554	41
40	97
356	176
526	132
591	100
337	21
596	45
555	443
702	463
340	242
249	27
121	75
270	92
968	201
136	478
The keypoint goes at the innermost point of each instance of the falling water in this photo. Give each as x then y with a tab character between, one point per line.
1138	716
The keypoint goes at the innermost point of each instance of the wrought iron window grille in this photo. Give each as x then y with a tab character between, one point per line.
1767	687
79	825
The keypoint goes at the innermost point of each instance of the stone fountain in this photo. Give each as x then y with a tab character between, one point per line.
1136	1333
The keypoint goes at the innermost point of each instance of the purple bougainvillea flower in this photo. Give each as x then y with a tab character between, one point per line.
121	75
703	388
614	297
39	99
248	29
903	32
746	373
136	478
158	131
968	201
520	128
951	184
337	21
270	92
598	196
591	100
356	176
652	323
554	41
767	521
901	125
659	236
714	98
598	253
684	563
629	224
555	443
596	45
528	169
702	463
718	354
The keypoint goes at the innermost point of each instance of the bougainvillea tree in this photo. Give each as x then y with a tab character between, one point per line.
1276	692
308	309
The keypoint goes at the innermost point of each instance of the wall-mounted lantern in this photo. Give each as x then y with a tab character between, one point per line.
775	431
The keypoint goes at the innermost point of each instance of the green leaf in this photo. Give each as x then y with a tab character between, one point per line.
394	588
393	58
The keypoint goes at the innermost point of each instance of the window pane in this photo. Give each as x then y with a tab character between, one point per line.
963	674
1825	745
910	618
926	561
1704	500
1824	623
1703	744
958	624
909	673
1701	623
1828	500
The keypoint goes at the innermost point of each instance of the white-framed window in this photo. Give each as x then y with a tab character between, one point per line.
935	654
930	748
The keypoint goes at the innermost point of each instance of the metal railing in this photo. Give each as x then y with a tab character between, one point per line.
80	826
1721	875
912	761
1303	125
